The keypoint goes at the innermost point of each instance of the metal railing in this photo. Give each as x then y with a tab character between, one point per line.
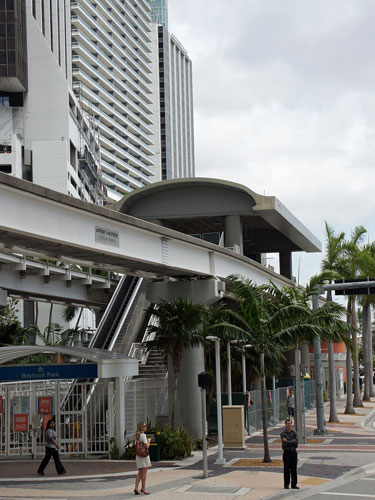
145	399
276	403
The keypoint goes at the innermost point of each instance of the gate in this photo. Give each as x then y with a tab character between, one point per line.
84	416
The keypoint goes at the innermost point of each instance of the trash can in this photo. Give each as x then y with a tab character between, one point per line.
154	446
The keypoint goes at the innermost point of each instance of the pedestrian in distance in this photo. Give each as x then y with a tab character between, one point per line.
51	450
142	458
289	442
290	405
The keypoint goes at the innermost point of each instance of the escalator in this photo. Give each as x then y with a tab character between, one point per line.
110	325
108	332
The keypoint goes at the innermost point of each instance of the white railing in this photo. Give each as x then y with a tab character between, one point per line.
145	399
135	351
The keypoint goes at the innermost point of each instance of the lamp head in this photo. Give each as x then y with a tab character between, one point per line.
212	337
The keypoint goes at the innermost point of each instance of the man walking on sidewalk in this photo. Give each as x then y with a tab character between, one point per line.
289	441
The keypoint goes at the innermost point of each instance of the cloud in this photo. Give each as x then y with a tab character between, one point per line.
285	103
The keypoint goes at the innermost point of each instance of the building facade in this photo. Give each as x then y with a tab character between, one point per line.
112	79
95	98
44	136
174	69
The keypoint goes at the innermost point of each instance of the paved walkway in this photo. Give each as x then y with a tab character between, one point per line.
347	446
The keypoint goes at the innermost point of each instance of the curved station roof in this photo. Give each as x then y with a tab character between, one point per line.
201	205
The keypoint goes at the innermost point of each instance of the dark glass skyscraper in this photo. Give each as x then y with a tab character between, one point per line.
13	56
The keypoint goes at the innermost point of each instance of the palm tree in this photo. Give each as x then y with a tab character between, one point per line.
334	250
366	269
352	262
343	257
274	320
178	327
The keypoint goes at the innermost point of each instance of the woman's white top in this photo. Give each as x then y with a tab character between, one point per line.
143	461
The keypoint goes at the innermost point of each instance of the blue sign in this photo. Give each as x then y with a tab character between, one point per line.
47	372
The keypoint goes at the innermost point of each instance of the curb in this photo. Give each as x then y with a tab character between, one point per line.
305	492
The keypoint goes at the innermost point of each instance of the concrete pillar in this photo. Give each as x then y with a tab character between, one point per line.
305	359
189	411
233	231
28	312
3	298
120	412
29	318
285	259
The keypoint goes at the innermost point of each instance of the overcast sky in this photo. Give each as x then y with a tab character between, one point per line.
284	102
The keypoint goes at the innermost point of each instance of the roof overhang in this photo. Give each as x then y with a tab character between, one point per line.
268	210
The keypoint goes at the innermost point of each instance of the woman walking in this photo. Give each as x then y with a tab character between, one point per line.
142	458
51	450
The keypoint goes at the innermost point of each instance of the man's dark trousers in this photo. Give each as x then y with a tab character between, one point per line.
290	467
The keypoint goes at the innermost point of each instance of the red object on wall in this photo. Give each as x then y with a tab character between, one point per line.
44	404
46	418
20	422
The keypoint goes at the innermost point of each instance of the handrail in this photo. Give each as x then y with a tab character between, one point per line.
125	314
137	353
108	309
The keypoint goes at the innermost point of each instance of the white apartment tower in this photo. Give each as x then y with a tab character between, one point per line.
112	79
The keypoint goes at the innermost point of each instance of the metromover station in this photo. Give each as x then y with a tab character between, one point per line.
177	238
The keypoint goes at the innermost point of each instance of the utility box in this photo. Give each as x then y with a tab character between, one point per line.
234	426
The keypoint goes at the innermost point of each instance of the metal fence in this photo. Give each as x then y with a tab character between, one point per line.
276	403
83	413
145	399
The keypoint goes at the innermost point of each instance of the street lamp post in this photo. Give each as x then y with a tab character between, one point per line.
229	372
220	458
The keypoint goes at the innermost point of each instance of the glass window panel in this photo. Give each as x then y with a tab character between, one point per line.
11	29
11	57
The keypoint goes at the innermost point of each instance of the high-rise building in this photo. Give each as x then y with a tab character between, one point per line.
175	101
112	79
44	136
93	92
159	12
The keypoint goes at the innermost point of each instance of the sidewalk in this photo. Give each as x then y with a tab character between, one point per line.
347	446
